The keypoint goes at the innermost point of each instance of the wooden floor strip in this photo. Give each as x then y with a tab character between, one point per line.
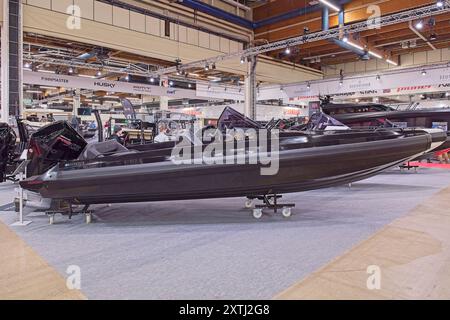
412	254
24	275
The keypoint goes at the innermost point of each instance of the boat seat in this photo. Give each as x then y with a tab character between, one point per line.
102	149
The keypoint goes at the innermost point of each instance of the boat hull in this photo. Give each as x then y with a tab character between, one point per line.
299	170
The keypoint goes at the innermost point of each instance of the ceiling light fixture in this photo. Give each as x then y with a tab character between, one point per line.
376	55
419	25
357	46
392	62
330	5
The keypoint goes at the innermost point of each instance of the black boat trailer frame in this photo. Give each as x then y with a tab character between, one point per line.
57	208
270	201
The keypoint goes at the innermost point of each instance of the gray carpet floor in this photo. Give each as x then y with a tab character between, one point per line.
214	249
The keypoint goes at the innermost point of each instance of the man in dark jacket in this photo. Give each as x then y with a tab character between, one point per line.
118	135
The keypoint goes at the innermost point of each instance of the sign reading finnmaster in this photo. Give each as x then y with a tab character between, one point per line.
58	80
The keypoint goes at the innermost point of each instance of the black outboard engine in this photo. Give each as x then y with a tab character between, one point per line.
53	143
7	148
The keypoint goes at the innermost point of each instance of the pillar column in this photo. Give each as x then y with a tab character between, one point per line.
76	101
250	89
163	103
11	59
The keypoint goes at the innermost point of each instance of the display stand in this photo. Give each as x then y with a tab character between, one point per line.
21	222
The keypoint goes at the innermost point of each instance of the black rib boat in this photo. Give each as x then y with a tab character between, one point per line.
110	173
378	115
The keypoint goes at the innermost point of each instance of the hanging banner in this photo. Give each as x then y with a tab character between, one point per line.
73	82
404	82
410	90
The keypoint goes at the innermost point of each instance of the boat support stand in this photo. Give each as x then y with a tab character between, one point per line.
68	211
270	201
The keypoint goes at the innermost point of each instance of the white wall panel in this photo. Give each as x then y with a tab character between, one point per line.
224	45
40	3
61	5
137	21
103	12
446	54
407	60
234	47
121	17
349	67
182	34
153	26
214	42
203	39
420	57
192	36
434	56
87	8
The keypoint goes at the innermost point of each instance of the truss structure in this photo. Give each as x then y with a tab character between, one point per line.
405	16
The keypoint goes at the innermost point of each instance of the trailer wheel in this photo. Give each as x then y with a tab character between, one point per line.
257	213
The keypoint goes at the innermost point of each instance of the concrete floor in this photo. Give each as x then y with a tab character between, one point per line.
214	249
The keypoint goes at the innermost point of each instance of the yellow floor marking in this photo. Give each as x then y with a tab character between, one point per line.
24	275
413	254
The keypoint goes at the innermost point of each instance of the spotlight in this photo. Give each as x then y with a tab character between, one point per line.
152	79
447	94
281	89
209	88
419	25
99	73
439	3
378	77
341	82
424	72
433	37
189	85
206	67
27	65
242	60
308	86
345	38
288	50
171	83
127	78
70	70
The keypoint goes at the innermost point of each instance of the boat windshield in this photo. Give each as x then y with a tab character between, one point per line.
232	119
321	122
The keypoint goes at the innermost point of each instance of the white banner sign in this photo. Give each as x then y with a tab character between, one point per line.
73	82
399	83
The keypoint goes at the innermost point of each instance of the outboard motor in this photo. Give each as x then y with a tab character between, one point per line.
53	143
7	147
